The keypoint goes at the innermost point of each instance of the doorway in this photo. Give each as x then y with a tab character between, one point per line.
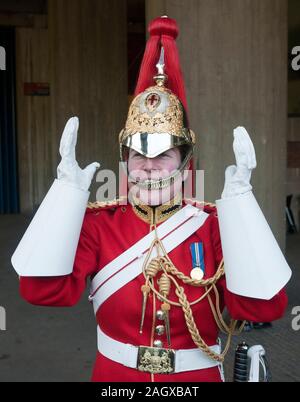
9	194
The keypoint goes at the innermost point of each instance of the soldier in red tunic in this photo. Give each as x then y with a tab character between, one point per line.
163	268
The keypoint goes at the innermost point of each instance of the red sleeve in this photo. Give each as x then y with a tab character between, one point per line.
246	308
66	290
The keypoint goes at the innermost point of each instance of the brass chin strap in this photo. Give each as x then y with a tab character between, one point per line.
170	274
156	184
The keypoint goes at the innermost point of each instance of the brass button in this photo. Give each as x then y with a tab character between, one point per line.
160	315
160	329
157	343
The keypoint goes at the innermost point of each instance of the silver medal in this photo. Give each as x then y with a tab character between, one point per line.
197	273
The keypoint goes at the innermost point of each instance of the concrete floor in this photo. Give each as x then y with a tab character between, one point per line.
59	344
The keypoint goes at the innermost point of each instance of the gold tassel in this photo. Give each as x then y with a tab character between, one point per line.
164	288
151	271
145	290
166	308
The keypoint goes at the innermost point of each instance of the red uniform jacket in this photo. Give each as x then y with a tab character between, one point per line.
108	232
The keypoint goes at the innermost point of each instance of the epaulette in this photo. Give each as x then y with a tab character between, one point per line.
105	204
208	207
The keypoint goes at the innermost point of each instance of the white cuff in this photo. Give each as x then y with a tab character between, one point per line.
254	264
49	245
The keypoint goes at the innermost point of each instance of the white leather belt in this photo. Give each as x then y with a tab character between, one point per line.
156	360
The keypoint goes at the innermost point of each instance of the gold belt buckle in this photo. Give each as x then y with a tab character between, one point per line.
156	360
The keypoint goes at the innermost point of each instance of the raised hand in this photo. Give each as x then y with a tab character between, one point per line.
237	177
68	170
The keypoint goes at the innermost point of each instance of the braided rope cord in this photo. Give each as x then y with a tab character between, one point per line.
170	271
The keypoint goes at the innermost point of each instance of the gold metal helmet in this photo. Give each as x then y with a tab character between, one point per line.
156	121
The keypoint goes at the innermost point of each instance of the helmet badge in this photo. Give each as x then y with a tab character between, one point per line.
152	102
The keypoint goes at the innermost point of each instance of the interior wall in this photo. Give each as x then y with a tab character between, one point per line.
35	148
88	64
293	169
80	50
293	138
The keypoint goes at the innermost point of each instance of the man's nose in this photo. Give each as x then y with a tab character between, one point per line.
148	164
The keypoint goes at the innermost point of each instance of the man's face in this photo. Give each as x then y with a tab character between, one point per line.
157	168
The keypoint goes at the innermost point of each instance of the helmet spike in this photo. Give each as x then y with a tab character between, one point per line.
161	78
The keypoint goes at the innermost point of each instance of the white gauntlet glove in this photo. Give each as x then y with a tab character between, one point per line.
254	264
49	245
68	171
237	177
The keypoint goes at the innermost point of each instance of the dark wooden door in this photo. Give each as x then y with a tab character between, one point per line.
9	197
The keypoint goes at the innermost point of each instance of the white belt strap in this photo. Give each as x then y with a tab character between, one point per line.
127	355
129	265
